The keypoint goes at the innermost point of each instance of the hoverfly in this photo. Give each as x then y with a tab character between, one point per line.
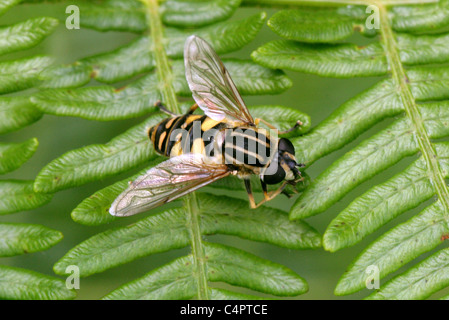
197	162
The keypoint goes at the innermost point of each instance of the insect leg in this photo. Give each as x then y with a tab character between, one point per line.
164	109
250	193
265	191
267	195
258	120
264	188
288	195
297	124
192	109
271	195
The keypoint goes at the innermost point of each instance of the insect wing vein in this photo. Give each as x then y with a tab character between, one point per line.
211	85
166	182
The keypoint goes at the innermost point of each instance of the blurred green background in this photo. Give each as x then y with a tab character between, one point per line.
313	95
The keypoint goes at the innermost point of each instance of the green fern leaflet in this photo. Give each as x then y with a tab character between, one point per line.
125	83
398	224
408	38
16	111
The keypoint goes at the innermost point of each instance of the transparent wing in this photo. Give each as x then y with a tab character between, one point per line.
167	181
211	85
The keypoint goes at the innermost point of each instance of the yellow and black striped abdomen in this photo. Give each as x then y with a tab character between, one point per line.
177	135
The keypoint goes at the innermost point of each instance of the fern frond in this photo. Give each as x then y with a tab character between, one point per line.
26	238
18	283
408	93
239	268
168	230
13	155
76	167
136	57
18	195
16	111
105	103
152	68
196	14
420	281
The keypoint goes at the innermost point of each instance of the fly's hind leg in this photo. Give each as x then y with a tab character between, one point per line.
267	195
252	202
269	125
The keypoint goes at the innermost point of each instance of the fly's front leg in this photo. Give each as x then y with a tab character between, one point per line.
288	195
267	195
293	189
273	194
269	125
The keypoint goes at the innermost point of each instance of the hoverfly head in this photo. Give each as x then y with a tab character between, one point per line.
287	166
287	159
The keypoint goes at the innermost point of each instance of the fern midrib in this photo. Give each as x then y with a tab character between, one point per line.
163	69
165	77
411	109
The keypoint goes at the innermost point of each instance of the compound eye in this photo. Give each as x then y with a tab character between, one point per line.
286	146
276	177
